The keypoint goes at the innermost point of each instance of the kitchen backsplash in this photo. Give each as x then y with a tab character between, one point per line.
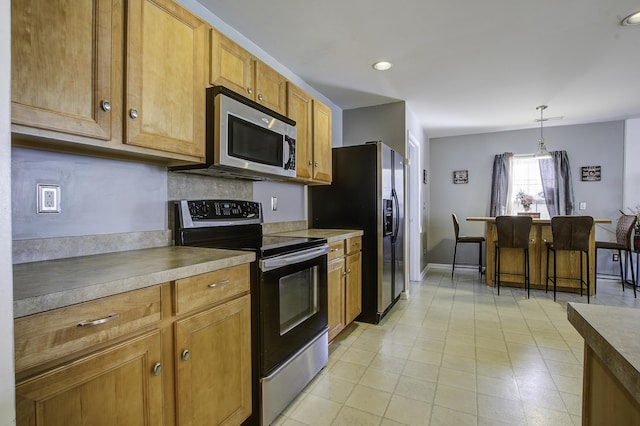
109	205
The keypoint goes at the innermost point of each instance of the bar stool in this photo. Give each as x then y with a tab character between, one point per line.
513	232
465	239
624	228
570	233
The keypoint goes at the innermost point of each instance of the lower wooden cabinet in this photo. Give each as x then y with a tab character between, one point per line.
120	385
154	356
344	284
213	365
353	286
335	297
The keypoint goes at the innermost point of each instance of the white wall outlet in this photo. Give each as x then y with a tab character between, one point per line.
48	198
583	205
274	203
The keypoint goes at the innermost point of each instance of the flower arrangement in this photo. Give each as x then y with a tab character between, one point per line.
524	199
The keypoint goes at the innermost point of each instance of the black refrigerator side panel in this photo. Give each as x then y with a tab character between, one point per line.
351	203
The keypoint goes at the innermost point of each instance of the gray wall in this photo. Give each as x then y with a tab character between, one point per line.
385	123
97	196
7	374
631	197
597	144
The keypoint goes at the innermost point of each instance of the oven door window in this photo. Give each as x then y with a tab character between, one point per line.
298	298
293	309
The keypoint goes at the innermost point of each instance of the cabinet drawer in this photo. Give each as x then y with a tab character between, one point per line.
335	250
60	332
210	288
354	244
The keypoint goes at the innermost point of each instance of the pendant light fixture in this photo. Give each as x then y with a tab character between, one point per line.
542	151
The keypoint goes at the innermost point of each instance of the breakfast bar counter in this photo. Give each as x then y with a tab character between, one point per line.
512	259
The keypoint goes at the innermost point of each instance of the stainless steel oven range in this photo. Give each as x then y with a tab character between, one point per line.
288	296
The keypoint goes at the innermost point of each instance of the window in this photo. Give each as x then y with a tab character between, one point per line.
526	193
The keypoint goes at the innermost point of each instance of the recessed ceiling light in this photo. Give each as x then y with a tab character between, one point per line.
633	19
382	65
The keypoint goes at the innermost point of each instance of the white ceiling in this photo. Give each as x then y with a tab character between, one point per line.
462	66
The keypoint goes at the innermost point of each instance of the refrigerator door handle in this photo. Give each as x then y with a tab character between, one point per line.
396	214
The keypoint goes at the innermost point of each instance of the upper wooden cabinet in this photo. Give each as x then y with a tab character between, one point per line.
166	77
300	110
322	161
238	70
73	83
61	64
313	135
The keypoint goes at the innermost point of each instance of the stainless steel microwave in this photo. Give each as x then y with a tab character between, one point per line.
246	139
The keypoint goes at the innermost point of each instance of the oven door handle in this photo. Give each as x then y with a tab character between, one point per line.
270	264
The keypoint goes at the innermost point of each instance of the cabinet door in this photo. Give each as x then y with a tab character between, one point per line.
61	66
335	297
321	142
231	65
271	88
299	109
213	368
116	386
166	77
353	286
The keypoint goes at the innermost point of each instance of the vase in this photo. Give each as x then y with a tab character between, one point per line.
526	208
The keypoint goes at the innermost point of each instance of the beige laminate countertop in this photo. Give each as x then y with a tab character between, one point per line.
535	220
611	332
41	286
332	235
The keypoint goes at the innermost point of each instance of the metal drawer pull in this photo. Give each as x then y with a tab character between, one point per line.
334	249
88	323
157	369
221	283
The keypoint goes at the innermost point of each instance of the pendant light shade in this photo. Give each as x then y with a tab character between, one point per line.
542	151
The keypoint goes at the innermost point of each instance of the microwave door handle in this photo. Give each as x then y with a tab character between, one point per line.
286	152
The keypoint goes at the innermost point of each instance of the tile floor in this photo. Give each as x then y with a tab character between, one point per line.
455	353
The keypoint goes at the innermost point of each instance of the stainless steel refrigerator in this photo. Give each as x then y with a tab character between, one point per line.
367	192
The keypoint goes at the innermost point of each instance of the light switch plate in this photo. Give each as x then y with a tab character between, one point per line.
48	198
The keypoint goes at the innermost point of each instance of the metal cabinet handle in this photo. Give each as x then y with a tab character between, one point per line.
186	355
133	113
316	164
310	162
249	90
157	369
334	249
218	284
260	97
91	323
105	105
348	271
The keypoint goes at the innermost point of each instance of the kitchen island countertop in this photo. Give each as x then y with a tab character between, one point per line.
51	284
610	332
332	235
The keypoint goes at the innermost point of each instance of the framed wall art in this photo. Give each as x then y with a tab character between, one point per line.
591	173
461	176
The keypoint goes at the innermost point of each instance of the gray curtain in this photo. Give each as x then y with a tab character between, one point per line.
557	186
500	185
